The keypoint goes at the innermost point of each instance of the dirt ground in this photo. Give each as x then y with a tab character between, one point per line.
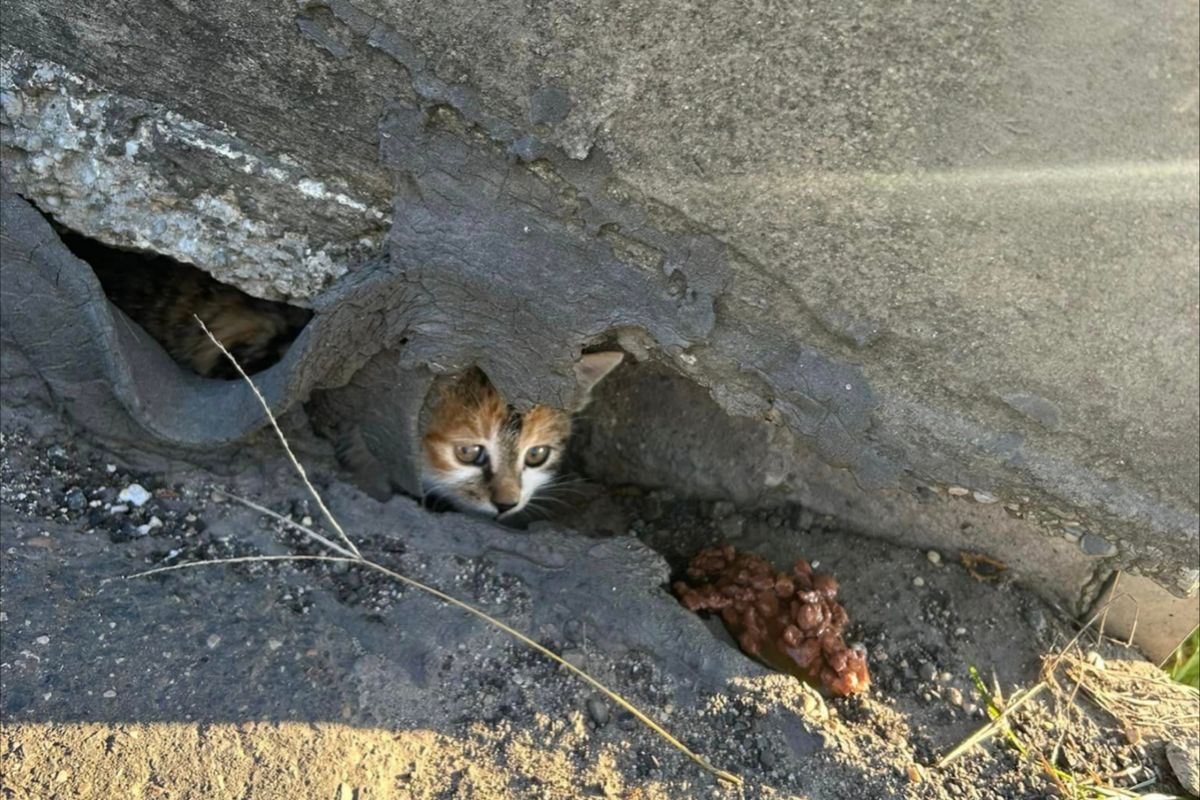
318	680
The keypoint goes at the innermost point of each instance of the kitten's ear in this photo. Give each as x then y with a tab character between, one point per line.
590	369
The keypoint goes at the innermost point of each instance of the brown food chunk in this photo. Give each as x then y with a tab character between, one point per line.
791	622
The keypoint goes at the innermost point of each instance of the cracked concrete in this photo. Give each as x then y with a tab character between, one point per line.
101	164
981	220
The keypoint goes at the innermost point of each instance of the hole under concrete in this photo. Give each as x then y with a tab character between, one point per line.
161	295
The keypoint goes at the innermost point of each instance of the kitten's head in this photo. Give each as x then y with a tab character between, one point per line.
482	455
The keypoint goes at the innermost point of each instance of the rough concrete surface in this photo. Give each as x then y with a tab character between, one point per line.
944	248
753	464
1142	611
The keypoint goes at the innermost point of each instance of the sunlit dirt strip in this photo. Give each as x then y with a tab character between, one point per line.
292	760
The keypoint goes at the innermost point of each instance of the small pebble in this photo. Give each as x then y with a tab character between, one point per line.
274	644
213	641
766	758
927	671
134	493
1184	758
984	497
956	696
110	694
1095	545
598	711
918	581
575	658
42	640
75	499
934	557
958	491
110	468
118	509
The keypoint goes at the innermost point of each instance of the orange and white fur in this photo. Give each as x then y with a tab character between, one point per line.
482	455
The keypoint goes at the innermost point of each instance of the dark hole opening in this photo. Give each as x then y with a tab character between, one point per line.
161	295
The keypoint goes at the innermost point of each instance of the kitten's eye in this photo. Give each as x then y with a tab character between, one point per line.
471	454
536	456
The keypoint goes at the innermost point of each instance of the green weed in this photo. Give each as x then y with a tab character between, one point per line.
1184	664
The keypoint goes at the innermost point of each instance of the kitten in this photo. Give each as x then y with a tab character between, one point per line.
481	455
161	295
478	453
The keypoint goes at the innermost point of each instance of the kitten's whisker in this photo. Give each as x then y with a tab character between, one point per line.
568	477
571	490
547	498
569	483
569	487
537	511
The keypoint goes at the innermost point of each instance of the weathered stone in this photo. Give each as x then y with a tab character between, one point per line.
1095	545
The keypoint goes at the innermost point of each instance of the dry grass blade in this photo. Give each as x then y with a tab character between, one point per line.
283	439
236	560
1018	700
353	556
290	522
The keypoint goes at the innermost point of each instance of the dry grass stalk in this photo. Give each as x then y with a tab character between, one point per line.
996	725
1135	693
289	522
262	401
350	554
1143	698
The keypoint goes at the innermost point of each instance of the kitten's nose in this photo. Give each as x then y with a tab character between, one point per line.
503	508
